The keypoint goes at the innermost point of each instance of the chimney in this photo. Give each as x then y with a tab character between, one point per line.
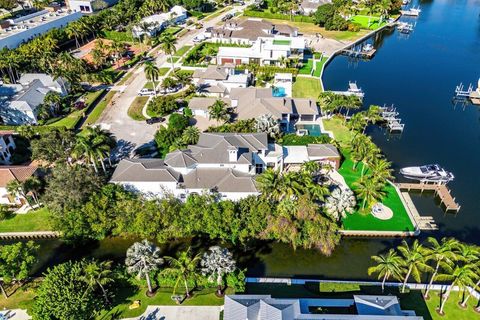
232	154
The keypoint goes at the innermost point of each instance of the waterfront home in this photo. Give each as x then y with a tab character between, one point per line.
7	146
361	307
309	7
217	81
19	102
13	32
200	105
248	31
264	51
89	6
14	173
152	25
225	163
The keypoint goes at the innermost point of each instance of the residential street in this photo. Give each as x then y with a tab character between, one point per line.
115	117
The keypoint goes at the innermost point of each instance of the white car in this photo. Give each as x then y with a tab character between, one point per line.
199	38
146	92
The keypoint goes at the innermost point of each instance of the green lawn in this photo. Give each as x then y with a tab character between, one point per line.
366	221
307	67
368	22
173	59
149	85
125	78
294	140
70	120
126	296
318	67
22	298
306	88
97	111
281	42
180	52
122	36
37	220
163	71
340	131
135	109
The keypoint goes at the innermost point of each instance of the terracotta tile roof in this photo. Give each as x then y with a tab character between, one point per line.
20	173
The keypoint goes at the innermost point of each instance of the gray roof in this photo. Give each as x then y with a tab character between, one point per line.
250	29
255	102
202	103
220	179
180	159
212	72
30	97
211	88
284	28
313	4
144	170
322	150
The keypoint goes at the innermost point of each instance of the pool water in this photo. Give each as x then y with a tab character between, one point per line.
313	129
279	92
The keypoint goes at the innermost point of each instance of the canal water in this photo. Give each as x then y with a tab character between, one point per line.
417	74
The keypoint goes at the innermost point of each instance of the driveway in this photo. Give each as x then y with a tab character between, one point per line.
180	313
115	118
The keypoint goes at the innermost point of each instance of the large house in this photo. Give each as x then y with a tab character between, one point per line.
7	145
153	24
14	32
19	102
218	81
222	162
309	7
252	103
14	173
264	51
248	31
361	307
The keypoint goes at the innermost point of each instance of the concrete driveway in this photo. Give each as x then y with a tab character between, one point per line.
115	117
180	313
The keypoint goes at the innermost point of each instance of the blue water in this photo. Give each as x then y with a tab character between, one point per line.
279	92
313	129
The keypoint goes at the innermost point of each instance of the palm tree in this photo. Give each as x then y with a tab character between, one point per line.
218	111
369	191
270	184
167	45
33	185
462	276
388	265
381	169
292	186
415	260
311	167
53	99
142	259
98	274
16	188
94	144
152	73
442	254
190	135
184	268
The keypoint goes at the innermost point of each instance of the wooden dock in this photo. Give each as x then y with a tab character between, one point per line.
441	190
359	53
422	222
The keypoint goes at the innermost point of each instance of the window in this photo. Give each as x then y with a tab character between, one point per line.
258	168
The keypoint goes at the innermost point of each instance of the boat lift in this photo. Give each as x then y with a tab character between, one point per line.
390	117
353	90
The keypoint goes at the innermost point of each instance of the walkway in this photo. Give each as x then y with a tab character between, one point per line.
15	314
441	190
422	222
180	312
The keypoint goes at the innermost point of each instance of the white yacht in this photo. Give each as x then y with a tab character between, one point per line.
430	172
368	47
411	12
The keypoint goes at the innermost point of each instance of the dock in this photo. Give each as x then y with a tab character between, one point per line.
424	223
441	190
355	53
390	117
467	94
404	27
353	90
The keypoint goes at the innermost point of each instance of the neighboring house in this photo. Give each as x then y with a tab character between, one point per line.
89	6
21	101
309	7
13	32
264	51
248	31
7	145
361	307
217	81
153	24
222	162
11	173
200	105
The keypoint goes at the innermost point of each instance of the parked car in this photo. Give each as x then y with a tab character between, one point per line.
199	38
154	120
227	17
146	92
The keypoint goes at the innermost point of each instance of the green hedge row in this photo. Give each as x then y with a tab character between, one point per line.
279	16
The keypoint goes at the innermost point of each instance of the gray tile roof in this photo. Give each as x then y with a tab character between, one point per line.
180	159
250	29
220	179
212	72
322	150
202	103
144	170
313	4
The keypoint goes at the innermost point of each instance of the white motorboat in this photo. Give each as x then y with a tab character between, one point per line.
367	47
411	12
430	172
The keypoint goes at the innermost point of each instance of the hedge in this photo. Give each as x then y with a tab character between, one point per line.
117	36
278	16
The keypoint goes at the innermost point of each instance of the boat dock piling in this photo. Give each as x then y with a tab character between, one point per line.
441	190
390	116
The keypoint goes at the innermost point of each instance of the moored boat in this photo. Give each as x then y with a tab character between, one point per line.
429	173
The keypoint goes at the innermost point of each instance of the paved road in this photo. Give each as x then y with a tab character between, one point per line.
129	132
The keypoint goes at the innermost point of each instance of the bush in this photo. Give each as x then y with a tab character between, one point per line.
354	27
163	105
236	281
336	23
324	13
293	140
177	122
5	212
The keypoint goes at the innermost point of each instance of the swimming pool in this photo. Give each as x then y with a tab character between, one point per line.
279	92
313	129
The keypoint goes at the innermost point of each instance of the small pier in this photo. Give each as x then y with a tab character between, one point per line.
424	223
353	90
390	117
404	27
467	94
359	53
441	190
412	12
